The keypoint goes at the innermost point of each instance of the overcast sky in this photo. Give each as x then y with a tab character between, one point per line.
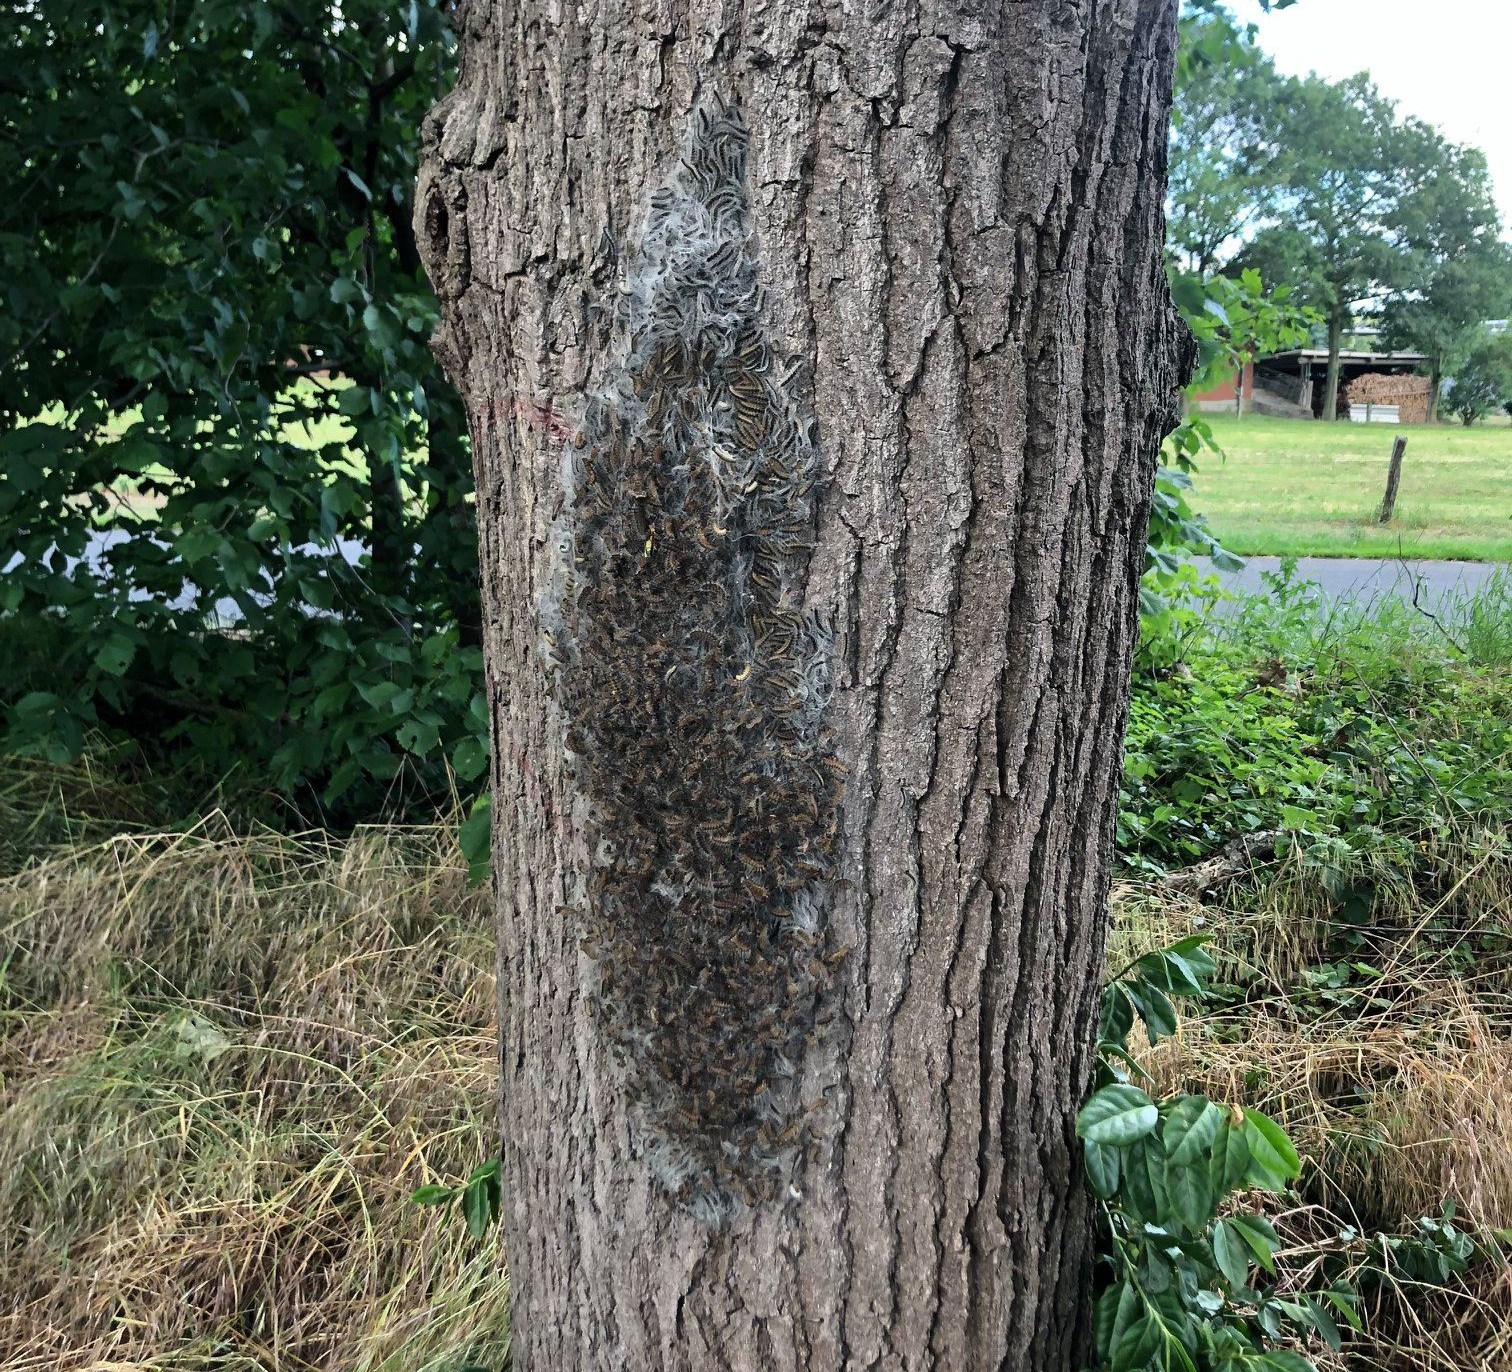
1449	62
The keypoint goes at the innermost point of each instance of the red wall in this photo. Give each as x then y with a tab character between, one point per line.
1226	390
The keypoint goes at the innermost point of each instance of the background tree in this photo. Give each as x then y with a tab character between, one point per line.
958	219
1483	380
215	377
1223	141
1459	268
1336	235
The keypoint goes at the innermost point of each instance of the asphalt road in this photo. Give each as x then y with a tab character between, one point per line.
1368	579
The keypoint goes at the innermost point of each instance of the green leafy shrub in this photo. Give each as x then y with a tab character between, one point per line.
1343	730
236	494
1191	1271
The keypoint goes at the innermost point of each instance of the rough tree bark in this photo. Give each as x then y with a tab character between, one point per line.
957	215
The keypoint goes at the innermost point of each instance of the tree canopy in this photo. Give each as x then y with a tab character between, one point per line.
1323	186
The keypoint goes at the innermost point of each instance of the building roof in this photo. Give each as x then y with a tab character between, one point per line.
1345	355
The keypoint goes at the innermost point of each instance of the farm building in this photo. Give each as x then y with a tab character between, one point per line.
1294	383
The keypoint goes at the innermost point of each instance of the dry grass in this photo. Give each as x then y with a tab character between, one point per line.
1397	1089
225	1062
224	1065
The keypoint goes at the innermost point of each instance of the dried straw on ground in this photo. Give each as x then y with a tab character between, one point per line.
225	1063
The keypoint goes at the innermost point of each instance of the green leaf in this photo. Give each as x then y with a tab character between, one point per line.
481	1195
474	839
1117	1308
1102	1168
1230	1157
1273	1160
1116	1017
1323	1322
1155	1009
418	736
1136	1344
1145	1192
1119	1115
1258	1233
1190	1189
432	1194
1170	972
116	654
1190	1131
1231	1254
316	592
1280	1360
1343	1301
470	758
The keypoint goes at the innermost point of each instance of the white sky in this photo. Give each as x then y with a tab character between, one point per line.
1449	62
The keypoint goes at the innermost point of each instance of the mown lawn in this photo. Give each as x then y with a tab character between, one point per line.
1308	489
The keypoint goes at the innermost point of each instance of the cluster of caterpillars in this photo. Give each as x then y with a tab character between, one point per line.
693	685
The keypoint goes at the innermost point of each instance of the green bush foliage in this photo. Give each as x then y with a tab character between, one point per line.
1188	1264
1364	728
217	377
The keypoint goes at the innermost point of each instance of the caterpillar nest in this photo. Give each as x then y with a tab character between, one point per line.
693	684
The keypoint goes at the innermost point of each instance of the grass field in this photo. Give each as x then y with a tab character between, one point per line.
1295	487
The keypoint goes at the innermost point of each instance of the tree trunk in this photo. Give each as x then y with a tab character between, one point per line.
1331	386
790	1065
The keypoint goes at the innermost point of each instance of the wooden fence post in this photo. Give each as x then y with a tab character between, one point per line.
1393	478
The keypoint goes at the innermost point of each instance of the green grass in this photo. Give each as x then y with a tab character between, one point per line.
1294	487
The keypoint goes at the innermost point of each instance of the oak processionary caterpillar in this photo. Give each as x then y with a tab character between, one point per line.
693	685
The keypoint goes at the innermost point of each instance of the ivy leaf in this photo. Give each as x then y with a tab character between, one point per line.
1171	972
1119	1115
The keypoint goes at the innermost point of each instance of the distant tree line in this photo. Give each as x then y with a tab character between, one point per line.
1324	187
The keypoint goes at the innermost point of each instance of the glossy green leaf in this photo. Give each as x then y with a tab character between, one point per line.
1102	1168
1117	1115
1273	1161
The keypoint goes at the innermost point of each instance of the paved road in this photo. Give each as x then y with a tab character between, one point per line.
1371	579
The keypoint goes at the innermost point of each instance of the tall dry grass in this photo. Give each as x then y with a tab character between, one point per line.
225	1063
1396	1085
